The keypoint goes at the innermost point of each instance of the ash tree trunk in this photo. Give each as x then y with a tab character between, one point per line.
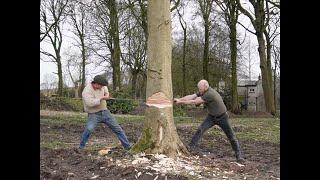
159	134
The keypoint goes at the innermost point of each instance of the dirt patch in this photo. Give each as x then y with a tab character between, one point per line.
216	157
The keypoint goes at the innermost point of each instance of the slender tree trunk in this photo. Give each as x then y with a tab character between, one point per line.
159	134
233	45
134	84
269	67
267	87
76	90
115	54
275	80
275	87
60	78
184	62
83	76
206	51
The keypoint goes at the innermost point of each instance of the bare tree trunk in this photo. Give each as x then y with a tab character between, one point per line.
269	68
267	87
233	42
83	76
275	87
275	78
76	90
205	8
184	62
134	84
159	134
55	9
184	28
229	7
115	53
60	77
206	51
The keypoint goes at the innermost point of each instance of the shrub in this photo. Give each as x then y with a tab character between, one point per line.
121	106
61	104
179	111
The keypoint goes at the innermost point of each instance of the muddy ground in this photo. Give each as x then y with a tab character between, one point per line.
63	160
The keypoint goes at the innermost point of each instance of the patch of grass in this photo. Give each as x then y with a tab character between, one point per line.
80	118
53	145
128	118
258	129
63	119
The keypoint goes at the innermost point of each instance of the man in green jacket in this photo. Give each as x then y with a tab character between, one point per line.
217	115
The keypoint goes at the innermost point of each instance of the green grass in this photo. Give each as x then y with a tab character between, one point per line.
256	129
80	118
53	145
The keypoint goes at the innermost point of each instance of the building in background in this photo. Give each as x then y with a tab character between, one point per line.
250	94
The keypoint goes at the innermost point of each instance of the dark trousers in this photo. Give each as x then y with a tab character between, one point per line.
223	123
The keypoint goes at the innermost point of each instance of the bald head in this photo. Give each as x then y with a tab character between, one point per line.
203	86
203	83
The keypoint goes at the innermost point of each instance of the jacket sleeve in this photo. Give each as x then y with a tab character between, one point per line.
89	99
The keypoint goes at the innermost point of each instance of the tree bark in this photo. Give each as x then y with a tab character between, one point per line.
159	134
205	8
184	61
83	76
60	78
134	84
206	51
233	47
267	87
116	52
269	68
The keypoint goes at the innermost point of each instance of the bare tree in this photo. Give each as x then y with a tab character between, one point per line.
159	134
47	24
79	21
106	30
276	57
134	51
139	11
184	28
49	83
271	32
205	11
260	21
52	15
74	70
230	10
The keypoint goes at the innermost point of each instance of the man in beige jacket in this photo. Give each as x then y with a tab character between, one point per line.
94	98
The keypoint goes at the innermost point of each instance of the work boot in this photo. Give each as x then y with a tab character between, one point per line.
240	158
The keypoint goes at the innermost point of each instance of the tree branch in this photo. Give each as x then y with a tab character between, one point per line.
48	54
246	13
175	5
247	28
273	3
